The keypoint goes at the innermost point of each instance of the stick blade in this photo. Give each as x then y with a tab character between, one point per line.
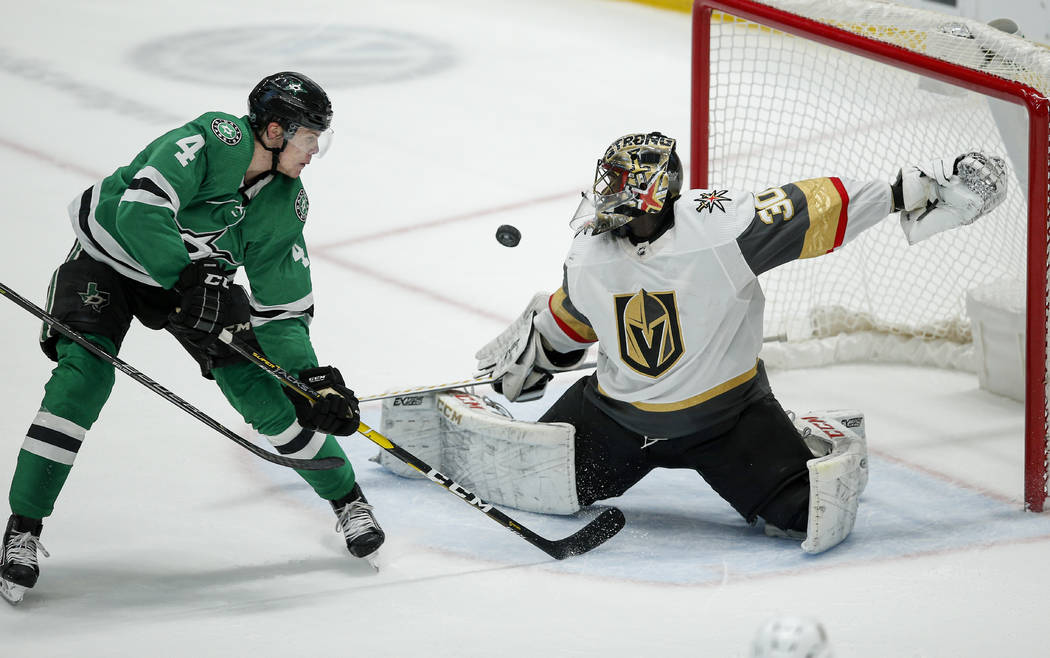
600	530
322	464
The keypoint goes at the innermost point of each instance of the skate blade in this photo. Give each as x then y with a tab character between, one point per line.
373	560
12	593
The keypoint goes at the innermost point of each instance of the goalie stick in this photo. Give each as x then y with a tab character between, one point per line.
592	535
464	383
124	367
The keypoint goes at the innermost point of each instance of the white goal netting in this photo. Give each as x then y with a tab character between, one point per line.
790	106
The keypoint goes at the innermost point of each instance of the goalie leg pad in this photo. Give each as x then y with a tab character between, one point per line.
414	423
836	479
823	430
525	465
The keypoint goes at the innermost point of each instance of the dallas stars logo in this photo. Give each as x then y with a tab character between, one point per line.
710	200
227	131
294	87
94	298
302	205
205	242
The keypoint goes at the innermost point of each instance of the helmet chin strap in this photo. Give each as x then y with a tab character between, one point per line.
275	154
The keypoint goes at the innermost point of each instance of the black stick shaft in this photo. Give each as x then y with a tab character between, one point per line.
595	533
123	366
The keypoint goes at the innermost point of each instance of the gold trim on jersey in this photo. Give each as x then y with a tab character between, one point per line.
824	205
696	399
566	319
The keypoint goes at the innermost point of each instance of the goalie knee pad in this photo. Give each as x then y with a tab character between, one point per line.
526	465
838	474
820	432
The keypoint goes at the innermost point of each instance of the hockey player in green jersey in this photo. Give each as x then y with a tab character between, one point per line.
160	240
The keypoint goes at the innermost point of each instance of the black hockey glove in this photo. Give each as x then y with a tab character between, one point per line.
210	303
336	413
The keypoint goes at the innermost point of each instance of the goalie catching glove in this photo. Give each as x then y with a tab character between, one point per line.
943	194
336	412
519	358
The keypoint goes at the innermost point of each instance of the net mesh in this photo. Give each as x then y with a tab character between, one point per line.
786	108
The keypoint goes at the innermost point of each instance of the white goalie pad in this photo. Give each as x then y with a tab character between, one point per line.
838	474
526	465
412	422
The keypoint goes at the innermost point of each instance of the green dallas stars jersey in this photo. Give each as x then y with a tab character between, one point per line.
180	199
183	199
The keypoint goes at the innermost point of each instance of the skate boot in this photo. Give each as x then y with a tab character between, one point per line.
355	520
18	563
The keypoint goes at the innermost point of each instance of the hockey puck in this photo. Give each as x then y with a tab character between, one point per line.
508	236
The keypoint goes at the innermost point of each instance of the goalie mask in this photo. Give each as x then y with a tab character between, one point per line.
638	175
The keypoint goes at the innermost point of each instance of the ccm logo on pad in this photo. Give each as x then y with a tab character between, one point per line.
824	426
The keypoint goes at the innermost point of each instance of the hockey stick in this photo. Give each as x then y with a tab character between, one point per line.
592	535
124	367
465	383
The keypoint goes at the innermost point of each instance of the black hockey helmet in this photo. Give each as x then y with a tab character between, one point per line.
291	100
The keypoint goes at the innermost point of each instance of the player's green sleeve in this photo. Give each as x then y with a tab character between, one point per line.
165	175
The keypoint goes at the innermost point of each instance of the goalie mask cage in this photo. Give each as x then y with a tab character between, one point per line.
785	90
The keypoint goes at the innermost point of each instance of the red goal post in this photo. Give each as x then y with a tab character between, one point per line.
785	90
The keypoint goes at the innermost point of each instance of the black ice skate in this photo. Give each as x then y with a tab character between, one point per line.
18	562
355	520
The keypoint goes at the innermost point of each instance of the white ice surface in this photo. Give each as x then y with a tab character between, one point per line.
169	540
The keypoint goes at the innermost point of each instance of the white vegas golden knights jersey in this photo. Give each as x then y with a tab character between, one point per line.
679	320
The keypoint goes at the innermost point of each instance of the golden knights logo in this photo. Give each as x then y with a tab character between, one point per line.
648	330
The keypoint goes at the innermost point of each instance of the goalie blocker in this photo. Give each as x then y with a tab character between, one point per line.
531	466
